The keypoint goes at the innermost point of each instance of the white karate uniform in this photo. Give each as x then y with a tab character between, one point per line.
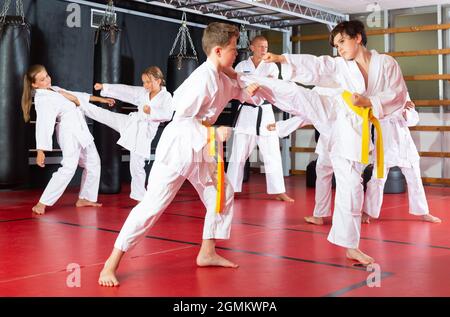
387	93
399	150
75	140
182	154
245	138
137	129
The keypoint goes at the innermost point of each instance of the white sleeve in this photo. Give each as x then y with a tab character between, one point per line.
394	93
45	124
162	111
308	69
286	127
125	93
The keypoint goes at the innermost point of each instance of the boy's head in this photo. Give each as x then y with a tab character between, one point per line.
259	46
219	42
347	37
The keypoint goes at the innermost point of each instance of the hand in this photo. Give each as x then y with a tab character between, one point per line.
40	158
223	133
252	89
109	101
70	97
361	101
274	58
271	127
409	105
147	109
98	86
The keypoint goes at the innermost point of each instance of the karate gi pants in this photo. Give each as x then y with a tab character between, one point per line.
86	158
269	147
416	194
164	183
118	121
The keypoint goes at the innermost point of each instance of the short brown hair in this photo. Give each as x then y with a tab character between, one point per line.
218	34
258	38
156	72
351	28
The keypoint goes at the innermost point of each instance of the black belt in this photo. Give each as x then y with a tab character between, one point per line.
258	120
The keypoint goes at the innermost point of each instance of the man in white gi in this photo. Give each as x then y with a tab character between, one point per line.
250	129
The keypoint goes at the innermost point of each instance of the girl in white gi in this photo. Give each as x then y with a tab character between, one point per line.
373	81
248	134
137	129
399	150
76	142
182	153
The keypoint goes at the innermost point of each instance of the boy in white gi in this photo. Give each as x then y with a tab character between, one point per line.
137	129
54	105
183	152
250	129
399	150
373	87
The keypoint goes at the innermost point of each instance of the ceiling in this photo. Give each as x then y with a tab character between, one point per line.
281	15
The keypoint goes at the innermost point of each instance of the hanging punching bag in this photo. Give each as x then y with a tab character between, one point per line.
180	65
107	59
14	62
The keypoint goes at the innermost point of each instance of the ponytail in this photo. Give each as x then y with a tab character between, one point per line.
28	80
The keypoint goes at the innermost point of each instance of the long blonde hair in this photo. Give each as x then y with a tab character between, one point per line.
28	80
156	72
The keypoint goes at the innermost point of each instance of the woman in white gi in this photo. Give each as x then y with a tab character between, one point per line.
54	105
137	129
247	133
374	81
399	150
182	153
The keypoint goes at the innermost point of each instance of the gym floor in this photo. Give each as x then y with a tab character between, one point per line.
278	253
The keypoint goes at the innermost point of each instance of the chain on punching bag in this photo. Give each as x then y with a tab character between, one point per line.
14	62
107	69
181	65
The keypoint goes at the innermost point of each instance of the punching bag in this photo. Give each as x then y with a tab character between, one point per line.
14	62
107	62
180	65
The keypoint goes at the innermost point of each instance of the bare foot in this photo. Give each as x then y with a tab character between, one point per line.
86	203
39	209
358	255
314	220
285	197
365	218
108	278
214	260
431	218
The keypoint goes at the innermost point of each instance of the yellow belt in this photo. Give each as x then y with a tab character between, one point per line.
367	116
215	149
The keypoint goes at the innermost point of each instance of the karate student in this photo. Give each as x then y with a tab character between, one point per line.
54	105
137	129
250	129
373	87
183	152
399	150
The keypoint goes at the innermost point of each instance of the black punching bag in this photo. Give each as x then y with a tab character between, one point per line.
14	62
107	61
180	65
